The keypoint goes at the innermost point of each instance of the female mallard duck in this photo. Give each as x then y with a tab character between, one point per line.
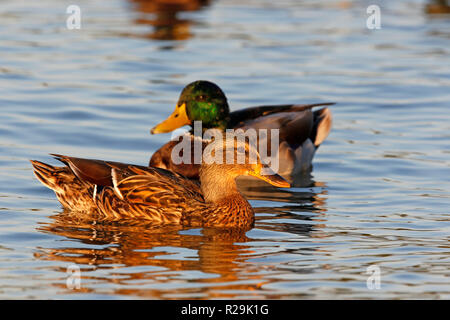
301	130
119	191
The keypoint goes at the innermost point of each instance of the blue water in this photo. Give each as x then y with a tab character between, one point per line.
378	195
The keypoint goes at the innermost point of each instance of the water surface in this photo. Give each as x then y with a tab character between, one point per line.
378	194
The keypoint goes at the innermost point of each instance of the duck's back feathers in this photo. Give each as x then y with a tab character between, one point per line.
240	117
294	127
96	171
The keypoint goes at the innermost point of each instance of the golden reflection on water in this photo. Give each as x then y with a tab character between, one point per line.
163	16
437	7
223	256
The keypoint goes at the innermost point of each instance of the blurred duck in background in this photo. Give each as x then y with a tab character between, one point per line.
438	7
163	16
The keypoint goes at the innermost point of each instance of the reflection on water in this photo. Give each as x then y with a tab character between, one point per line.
163	16
437	7
223	256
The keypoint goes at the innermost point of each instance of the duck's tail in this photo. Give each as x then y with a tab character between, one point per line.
50	176
71	192
323	121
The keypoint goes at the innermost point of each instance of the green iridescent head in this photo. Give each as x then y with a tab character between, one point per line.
199	101
205	101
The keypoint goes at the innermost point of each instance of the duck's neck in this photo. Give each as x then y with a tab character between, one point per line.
227	207
217	186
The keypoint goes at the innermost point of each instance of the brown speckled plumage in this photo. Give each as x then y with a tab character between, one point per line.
121	191
230	211
71	192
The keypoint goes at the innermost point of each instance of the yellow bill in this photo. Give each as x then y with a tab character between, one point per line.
177	119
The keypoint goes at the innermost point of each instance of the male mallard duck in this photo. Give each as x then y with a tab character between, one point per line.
119	191
301	129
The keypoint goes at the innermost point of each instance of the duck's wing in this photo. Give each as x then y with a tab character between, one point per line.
299	135
156	190
296	125
240	117
294	128
159	197
98	172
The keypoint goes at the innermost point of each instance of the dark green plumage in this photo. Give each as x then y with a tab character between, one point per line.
205	102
